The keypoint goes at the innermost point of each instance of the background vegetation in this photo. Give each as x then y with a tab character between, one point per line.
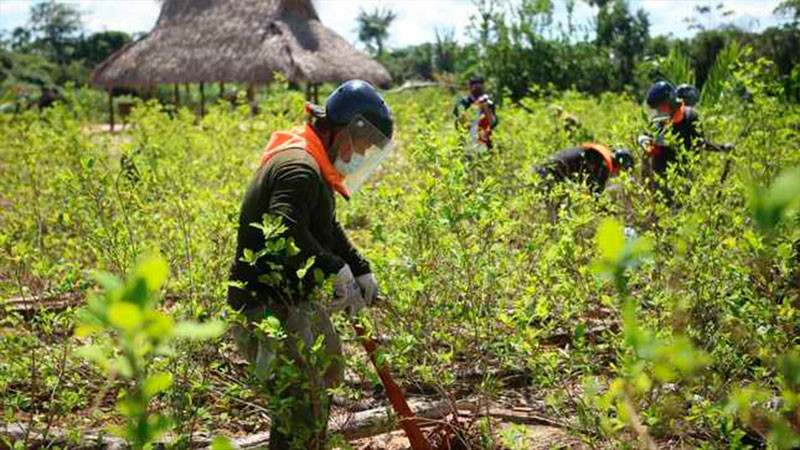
516	45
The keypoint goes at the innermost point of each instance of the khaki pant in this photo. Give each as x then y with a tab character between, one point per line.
294	371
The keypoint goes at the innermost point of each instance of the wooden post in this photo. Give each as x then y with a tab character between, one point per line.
202	101
111	108
177	96
251	98
251	92
221	88
316	93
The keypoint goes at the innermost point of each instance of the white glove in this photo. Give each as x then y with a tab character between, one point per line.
644	141
346	293
630	234
369	287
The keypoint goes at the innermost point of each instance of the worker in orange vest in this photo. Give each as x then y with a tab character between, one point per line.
300	172
485	119
590	162
672	115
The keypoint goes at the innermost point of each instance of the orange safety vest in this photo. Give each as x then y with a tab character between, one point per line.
604	151
306	138
678	115
484	131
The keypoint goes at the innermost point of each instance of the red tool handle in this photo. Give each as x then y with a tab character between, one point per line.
407	419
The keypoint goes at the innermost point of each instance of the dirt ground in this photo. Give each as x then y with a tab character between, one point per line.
529	437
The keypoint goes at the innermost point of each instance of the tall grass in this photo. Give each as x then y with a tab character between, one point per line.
724	64
677	67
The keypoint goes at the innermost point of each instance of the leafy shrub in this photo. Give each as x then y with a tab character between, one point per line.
136	334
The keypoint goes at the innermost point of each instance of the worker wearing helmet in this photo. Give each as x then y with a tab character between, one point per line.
688	94
485	120
300	172
592	162
672	116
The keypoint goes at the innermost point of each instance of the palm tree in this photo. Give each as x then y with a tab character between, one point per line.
373	27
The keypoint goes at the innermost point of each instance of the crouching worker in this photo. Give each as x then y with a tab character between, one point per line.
292	196
594	163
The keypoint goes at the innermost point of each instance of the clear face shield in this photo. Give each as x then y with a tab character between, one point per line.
368	147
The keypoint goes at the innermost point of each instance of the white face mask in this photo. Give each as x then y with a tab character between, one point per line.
347	168
364	159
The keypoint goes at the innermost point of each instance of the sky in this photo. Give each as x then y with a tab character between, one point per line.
417	20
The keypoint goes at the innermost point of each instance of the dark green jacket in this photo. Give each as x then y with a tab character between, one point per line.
291	187
685	132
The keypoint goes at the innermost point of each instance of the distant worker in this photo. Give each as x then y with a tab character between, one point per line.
672	116
688	94
572	125
566	120
299	174
49	96
590	162
481	127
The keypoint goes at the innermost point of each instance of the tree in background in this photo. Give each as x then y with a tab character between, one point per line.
625	34
705	47
790	8
705	17
99	46
517	51
20	38
373	28
57	26
481	27
410	63
516	45
445	51
52	49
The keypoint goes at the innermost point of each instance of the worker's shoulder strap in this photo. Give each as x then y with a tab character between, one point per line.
604	151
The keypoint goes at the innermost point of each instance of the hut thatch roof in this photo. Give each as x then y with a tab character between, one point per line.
237	41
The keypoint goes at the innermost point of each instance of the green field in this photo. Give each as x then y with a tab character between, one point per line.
496	289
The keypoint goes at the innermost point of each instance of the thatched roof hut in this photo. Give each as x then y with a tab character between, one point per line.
196	41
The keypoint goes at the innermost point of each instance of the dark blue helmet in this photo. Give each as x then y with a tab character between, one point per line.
688	93
475	79
623	159
661	92
357	97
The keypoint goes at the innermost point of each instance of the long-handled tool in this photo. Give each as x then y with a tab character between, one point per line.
407	419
